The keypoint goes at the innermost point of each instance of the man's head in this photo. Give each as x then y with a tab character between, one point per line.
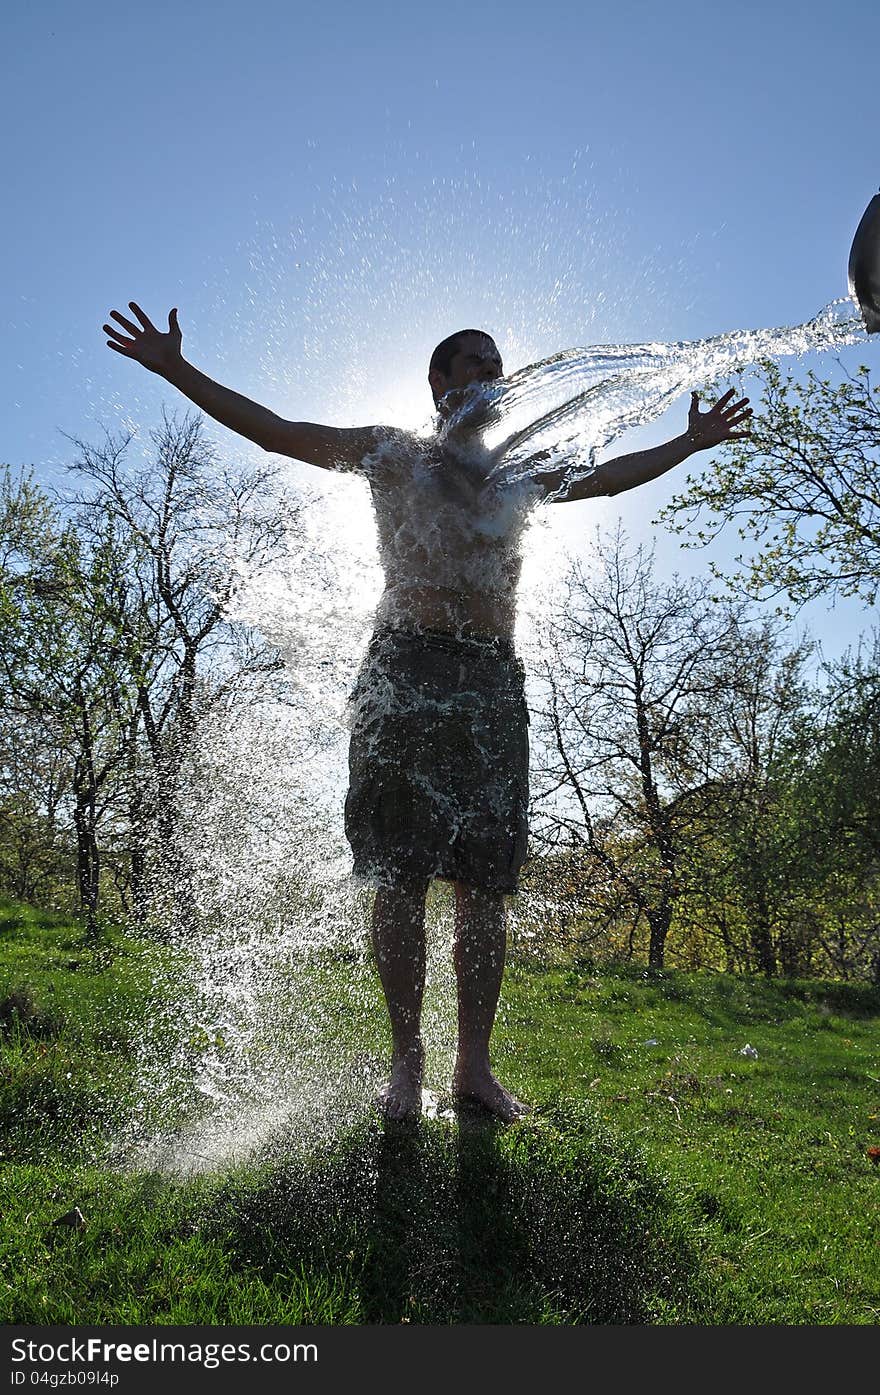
468	356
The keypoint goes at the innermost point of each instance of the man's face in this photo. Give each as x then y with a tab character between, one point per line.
477	360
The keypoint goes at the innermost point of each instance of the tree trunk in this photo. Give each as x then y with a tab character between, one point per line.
85	820
137	867
659	921
88	864
762	944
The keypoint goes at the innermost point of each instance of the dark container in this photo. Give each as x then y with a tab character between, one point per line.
864	266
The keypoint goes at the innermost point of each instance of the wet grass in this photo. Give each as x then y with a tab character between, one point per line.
664	1177
546	1223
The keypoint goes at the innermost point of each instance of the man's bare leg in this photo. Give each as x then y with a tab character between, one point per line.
480	946
399	945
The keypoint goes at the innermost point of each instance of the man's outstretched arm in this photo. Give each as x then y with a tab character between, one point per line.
332	448
705	429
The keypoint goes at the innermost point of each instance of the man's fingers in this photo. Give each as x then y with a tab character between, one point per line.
722	408
114	333
118	347
145	321
126	324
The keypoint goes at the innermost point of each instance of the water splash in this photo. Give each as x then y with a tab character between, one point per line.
559	412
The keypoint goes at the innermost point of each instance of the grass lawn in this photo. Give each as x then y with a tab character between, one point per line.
663	1177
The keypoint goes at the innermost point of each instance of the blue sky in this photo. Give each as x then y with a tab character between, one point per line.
325	191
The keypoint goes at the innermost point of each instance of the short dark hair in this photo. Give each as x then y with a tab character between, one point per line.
445	352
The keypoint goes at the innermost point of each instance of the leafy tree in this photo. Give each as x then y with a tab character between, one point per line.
60	645
35	777
744	878
836	797
116	640
802	488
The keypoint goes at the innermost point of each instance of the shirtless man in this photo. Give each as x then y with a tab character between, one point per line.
439	746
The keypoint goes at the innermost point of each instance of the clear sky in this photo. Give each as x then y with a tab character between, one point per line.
326	190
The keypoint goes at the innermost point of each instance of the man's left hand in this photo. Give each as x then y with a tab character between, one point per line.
719	423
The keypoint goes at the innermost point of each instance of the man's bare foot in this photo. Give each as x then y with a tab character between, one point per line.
481	1090
401	1098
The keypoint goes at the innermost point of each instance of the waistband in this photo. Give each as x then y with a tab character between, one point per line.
489	645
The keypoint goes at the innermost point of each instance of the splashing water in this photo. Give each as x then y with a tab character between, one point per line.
273	1028
561	411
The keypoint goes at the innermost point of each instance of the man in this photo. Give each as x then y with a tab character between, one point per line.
439	744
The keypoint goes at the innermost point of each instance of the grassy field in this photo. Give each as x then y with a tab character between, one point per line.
664	1177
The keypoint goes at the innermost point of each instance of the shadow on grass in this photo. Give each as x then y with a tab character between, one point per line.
547	1222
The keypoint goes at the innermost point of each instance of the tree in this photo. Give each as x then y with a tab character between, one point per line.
631	760
59	636
35	771
35	779
836	793
744	880
116	641
189	528
803	487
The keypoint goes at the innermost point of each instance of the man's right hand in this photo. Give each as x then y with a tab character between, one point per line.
150	346
330	447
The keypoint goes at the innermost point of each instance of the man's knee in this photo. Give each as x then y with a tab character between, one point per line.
403	890
470	897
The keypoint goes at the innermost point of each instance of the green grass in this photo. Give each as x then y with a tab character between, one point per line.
70	1015
767	1154
676	1182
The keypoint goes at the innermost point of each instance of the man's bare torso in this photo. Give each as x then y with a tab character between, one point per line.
449	541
